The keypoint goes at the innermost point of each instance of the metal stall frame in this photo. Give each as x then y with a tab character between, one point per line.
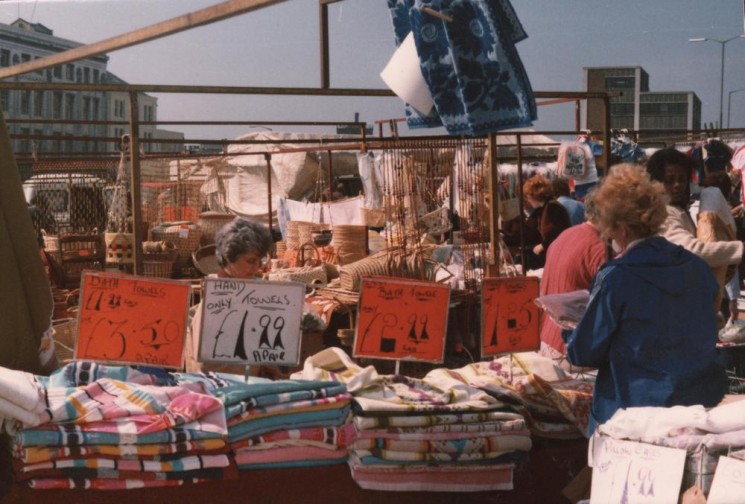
224	10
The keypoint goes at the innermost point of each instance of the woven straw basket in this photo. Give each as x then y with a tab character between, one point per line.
184	235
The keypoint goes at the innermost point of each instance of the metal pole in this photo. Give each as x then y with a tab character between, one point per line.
268	158
134	157
721	86
495	251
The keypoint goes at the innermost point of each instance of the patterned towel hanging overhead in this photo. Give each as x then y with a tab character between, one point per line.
469	61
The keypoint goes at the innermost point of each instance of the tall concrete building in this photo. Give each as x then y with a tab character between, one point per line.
638	107
22	41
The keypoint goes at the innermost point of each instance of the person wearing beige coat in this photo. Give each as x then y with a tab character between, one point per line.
680	229
673	168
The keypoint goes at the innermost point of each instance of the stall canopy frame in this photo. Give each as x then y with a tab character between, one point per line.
218	12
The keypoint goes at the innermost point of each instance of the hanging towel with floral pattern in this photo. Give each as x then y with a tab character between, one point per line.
477	81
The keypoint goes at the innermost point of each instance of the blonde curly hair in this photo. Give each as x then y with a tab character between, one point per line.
628	196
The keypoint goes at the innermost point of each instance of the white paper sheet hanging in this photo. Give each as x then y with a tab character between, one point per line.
404	77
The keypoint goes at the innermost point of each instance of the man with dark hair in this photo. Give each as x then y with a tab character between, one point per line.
575	209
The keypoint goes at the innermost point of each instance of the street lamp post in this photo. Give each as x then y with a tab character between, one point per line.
729	103
721	77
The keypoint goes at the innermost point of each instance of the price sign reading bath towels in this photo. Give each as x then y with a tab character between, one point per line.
251	321
132	320
509	317
402	319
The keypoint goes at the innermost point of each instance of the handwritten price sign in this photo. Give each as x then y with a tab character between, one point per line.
132	320
251	321
509	315
402	319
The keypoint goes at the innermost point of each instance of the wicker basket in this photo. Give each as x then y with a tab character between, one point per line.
51	245
120	248
310	275
205	260
350	275
211	222
185	236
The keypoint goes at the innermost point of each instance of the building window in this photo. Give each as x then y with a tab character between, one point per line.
25	58
57	105
39	72
119	108
96	76
38	143
69	106
619	82
4	57
79	75
57	72
68	143
86	108
16	59
25	144
148	113
56	144
96	108
87	75
4	99
25	102
38	103
70	72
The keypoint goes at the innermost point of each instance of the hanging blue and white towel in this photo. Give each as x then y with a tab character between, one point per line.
477	81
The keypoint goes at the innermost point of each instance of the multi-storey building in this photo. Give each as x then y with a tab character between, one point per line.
22	41
638	107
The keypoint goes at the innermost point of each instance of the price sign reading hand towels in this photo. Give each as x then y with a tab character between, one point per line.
251	321
132	320
509	317
402	319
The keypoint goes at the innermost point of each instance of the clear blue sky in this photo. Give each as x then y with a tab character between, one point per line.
279	46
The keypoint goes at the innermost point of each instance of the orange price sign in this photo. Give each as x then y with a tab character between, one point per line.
509	317
132	320
402	319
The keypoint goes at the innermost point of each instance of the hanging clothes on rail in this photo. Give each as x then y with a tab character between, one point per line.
468	59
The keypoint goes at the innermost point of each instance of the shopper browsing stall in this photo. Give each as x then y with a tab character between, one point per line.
548	218
674	170
648	327
572	261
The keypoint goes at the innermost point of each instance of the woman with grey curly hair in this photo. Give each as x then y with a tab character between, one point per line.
649	327
242	248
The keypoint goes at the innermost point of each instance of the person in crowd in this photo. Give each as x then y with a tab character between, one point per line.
575	209
547	219
242	249
715	198
572	261
674	169
648	327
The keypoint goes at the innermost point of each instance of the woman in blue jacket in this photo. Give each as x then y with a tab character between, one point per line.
648	327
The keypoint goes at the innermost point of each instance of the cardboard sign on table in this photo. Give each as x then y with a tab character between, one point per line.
729	482
509	315
251	321
631	472
402	319
129	319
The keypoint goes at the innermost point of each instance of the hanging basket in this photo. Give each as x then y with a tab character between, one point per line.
120	248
